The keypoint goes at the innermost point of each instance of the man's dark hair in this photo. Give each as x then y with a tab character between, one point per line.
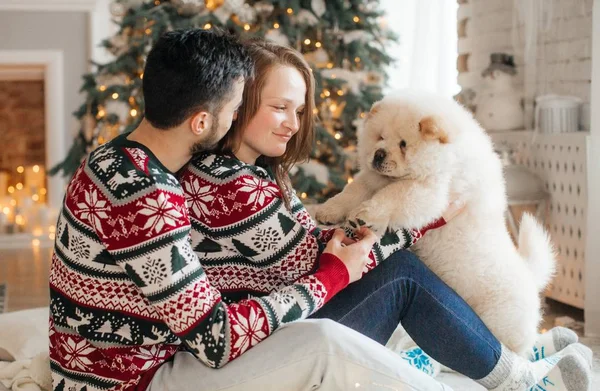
193	70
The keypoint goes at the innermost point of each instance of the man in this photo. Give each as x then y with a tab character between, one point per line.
124	284
127	291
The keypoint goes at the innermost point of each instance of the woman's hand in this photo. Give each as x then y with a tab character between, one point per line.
353	253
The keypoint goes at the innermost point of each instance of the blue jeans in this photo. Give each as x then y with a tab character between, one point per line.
402	289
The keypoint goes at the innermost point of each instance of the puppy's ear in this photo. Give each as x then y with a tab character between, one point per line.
374	109
431	129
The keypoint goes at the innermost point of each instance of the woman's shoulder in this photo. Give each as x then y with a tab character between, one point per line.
224	165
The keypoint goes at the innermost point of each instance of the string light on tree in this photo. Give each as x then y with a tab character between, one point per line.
211	5
338	39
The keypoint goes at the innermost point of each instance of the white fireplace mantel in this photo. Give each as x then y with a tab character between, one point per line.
51	62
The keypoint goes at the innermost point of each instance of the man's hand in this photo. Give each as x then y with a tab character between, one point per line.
353	253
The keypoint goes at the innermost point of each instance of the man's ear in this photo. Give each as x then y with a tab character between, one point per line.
431	129
200	122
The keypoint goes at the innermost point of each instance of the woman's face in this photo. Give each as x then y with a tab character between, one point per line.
278	116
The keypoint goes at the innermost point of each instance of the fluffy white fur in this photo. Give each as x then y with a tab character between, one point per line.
434	152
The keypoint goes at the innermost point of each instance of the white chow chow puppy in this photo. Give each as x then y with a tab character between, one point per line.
419	152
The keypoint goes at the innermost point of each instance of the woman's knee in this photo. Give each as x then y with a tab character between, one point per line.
407	264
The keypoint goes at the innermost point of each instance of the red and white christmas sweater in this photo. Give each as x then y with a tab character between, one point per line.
251	245
128	291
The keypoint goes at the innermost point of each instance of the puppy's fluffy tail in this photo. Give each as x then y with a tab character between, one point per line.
535	247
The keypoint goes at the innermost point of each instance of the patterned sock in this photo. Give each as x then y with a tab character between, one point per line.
552	341
513	372
559	379
417	358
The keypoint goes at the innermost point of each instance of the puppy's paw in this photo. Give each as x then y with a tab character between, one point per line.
329	213
368	215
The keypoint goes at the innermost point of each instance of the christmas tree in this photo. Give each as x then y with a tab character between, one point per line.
342	40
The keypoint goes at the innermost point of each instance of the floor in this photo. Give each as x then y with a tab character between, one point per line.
26	274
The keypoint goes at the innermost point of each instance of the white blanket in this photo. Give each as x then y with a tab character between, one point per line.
27	375
24	362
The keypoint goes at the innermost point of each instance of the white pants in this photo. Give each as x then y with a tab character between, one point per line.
306	355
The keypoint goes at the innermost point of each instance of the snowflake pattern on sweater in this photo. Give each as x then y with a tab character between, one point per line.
127	289
249	242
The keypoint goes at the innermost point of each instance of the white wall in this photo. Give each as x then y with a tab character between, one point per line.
564	49
64	31
592	272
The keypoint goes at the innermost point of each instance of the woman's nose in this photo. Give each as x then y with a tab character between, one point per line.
293	123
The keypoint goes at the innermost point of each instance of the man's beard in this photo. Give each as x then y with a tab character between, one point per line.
212	140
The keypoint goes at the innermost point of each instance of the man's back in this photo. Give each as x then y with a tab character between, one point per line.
121	204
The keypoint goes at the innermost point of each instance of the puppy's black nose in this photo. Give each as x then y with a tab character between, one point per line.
379	157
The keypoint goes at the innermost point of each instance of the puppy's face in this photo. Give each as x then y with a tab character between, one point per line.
402	142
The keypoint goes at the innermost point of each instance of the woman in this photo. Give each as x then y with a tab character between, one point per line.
260	247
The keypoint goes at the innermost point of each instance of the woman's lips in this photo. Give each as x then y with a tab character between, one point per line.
285	137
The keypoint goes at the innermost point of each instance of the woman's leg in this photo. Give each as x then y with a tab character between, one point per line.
403	289
305	355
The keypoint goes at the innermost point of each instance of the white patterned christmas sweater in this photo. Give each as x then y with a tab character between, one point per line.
249	242
127	290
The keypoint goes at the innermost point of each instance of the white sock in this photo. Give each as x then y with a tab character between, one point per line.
569	369
557	379
552	341
417	358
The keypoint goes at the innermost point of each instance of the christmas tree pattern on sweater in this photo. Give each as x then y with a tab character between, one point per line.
127	290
